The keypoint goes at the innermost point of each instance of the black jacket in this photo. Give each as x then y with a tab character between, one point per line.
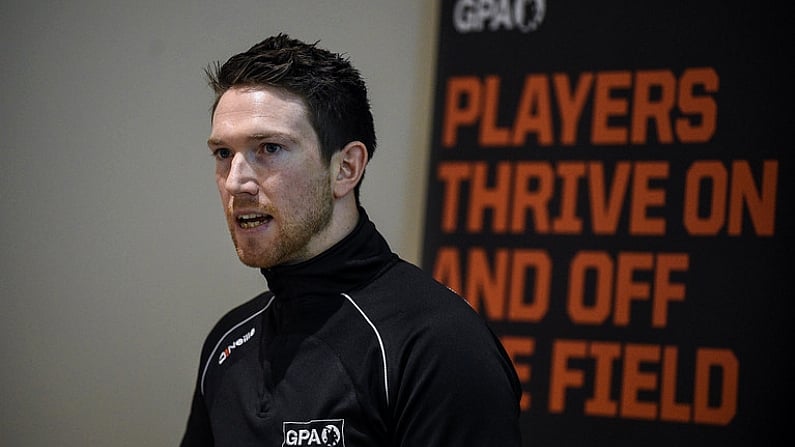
354	347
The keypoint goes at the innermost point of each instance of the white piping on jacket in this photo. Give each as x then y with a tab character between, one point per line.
212	353
380	344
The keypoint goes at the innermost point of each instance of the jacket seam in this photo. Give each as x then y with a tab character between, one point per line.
220	340
380	344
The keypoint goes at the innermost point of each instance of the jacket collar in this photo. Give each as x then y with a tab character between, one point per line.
348	264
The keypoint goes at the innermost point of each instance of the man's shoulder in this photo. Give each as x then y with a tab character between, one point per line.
237	316
410	281
407	291
245	309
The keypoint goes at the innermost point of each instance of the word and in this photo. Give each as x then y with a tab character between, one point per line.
497	285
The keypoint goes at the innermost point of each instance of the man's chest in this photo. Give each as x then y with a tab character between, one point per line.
292	390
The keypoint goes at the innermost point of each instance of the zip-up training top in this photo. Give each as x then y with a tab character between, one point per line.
354	347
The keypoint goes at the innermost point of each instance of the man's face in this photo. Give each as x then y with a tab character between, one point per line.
275	188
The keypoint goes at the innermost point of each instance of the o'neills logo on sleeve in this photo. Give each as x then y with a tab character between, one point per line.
324	433
239	342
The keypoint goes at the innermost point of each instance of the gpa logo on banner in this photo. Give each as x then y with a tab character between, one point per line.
324	433
474	16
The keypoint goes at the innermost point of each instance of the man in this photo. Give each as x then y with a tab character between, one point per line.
351	346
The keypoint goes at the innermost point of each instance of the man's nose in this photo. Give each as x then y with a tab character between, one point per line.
242	178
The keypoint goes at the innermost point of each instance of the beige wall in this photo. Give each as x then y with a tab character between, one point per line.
114	257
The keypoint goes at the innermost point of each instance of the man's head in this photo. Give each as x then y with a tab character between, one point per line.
333	90
291	135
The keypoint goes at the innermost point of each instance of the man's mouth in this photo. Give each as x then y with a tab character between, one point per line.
248	221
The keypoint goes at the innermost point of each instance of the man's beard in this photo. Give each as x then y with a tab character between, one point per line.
294	232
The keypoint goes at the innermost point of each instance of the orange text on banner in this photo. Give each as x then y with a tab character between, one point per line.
518	195
645	370
626	107
521	192
496	282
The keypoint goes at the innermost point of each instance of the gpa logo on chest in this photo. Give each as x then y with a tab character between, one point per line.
322	432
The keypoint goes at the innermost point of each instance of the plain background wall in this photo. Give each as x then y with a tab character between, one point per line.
115	256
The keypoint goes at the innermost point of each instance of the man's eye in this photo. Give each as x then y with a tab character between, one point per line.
270	148
222	153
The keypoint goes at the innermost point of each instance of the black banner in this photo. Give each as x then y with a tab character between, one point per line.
610	187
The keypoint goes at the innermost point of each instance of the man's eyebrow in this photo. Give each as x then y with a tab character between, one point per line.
212	141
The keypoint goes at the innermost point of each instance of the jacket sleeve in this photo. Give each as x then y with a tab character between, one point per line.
198	432
457	388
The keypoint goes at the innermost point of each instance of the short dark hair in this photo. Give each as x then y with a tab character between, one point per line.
333	90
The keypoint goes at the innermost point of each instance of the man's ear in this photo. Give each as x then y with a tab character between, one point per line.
347	167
